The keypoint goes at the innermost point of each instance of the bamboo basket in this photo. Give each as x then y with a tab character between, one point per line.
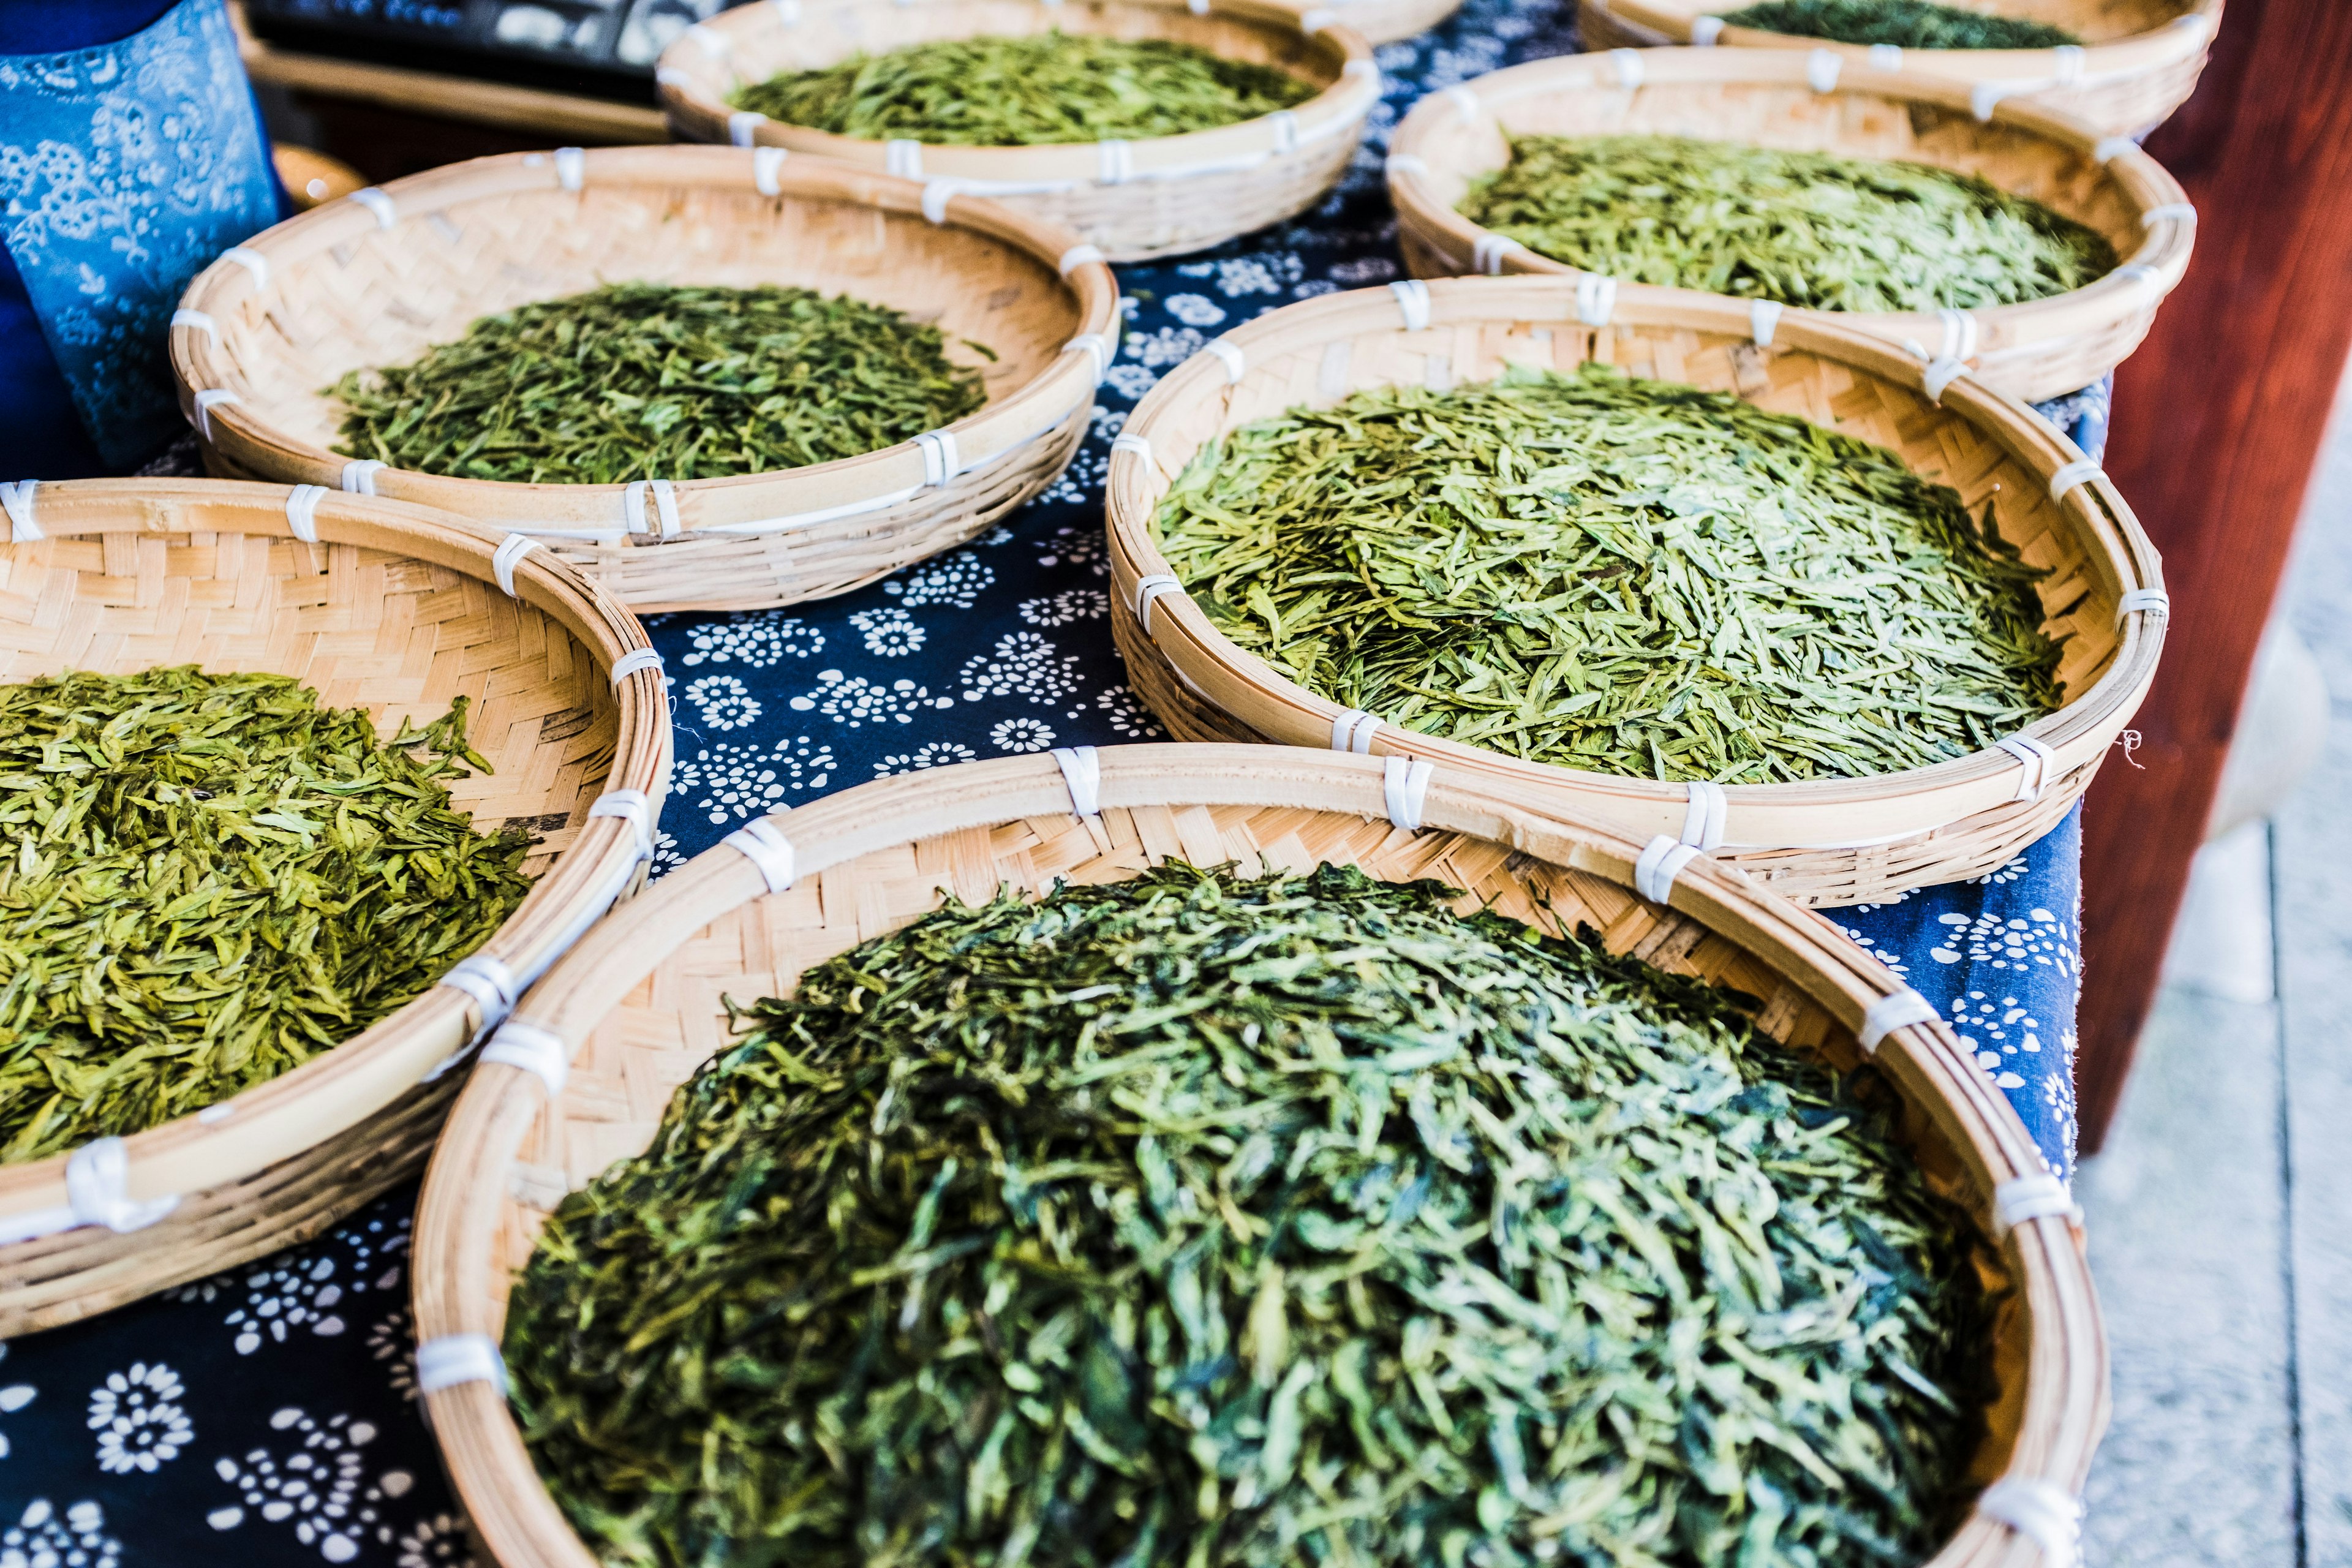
1822	842
395	609
1763	98
1135	200
2138	62
637	1007
378	278
1385	21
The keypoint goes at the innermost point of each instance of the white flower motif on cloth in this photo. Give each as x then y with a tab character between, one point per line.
938	754
1130	381
758	638
436	1542
891	633
1167	346
309	1289
2009	870
1070	604
1267	272
2016	943
1995	1030
667	855
140	1422
1888	956
1126	714
956	581
1023	664
1369	269
392	1345
2058	1098
1021	735
856	701
14	1396
730	781
316	1479
723	702
1076	547
1195	309
44	1538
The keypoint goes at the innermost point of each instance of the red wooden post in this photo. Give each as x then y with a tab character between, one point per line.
2218	421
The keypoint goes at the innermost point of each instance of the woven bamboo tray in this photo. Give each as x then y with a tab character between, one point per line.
1763	98
378	278
1135	200
637	1007
395	609
2139	60
1822	842
1383	21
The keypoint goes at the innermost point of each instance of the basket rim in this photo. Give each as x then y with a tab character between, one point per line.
734	506
691	72
341	1088
2138	282
458	1216
2020	70
1759	816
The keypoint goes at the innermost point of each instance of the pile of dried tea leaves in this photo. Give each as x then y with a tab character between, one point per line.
1194	1220
1907	24
1042	88
648	381
1818	230
1621	575
209	880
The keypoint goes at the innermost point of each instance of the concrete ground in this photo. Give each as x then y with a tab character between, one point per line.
2220	1212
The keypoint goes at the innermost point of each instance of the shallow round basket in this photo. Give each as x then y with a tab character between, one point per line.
1382	21
394	609
637	1007
380	277
2139	59
1762	98
1833	841
1162	197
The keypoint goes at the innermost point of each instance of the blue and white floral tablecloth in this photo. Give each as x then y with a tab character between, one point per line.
268	1417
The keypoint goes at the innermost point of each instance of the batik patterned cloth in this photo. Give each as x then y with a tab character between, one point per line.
268	1417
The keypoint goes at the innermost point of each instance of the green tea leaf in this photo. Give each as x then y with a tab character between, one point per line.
1907	24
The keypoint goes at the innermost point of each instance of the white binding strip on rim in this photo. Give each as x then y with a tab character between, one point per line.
636	659
1314	21
1138	445
1082	772
198	320
2154	601
2073	476
1822	67
252	260
1229	353
661	518
511	550
902	156
631	806
1115	162
2024	1199
2176	212
1893	1012
1627	63
377	202
2108	148
1078	256
1198	7
743	127
763	843
1662	859
1886	57
491	985
97	1177
16	500
2135	272
1353	730
570	168
1986	96
1486	253
1407	163
938	191
1702	818
714	43
1147	591
1404	789
1764	320
357	476
788	13
1464	101
1412	300
1596	299
2034	761
767	170
302	510
534	1050
2067	67
1286	131
205	401
1095	347
1937	378
1959	333
453	1359
941	462
1706	32
1362	68
2043	1513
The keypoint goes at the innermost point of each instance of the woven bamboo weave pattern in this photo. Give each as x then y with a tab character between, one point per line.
1762	98
1161	196
1824	841
2140	59
343	292
393	610
640	1006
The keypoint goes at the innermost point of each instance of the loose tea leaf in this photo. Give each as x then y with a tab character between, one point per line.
647	380
1196	1220
1814	229
1620	575
1908	24
209	880
1025	91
